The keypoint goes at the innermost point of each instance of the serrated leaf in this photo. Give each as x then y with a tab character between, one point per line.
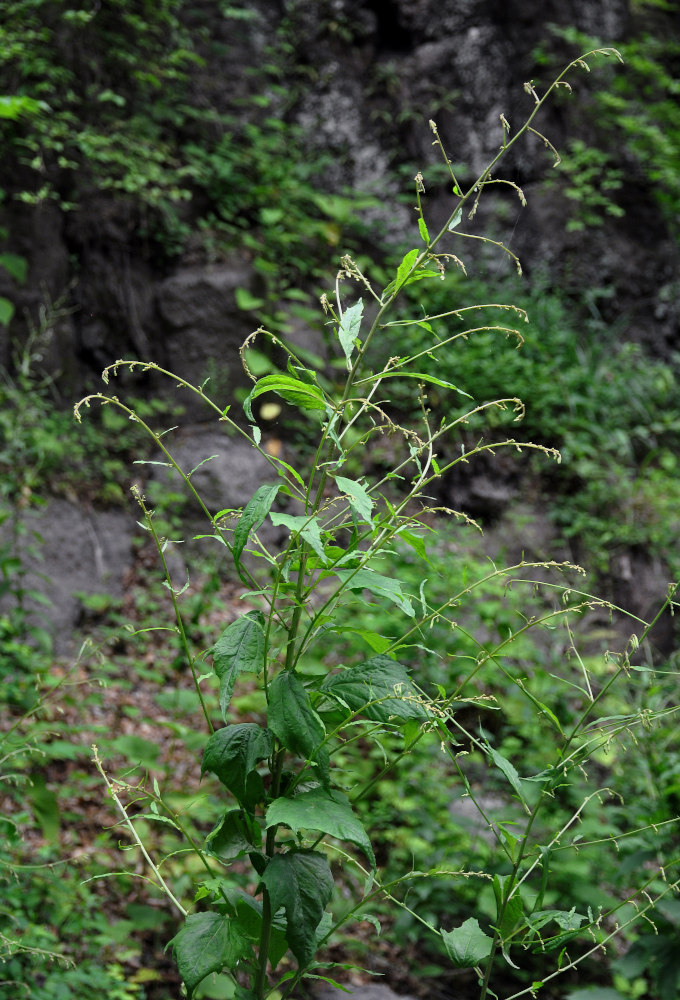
349	327
239	648
467	945
367	579
208	942
235	835
327	811
301	883
359	500
380	688
300	394
252	517
233	753
291	717
307	527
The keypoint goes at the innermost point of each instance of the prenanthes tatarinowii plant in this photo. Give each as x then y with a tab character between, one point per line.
291	792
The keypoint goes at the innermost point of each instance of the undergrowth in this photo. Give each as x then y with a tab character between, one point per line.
354	667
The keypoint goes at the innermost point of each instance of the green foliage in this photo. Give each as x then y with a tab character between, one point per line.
639	111
589	181
461	680
105	106
610	409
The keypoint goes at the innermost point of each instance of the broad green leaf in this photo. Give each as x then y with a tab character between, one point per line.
425	236
380	688
233	753
239	648
249	912
403	270
307	527
327	811
300	394
291	717
15	265
348	331
236	834
208	942
367	579
359	500
467	945
301	883
252	517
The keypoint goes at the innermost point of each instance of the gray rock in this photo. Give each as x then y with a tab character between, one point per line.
66	548
231	475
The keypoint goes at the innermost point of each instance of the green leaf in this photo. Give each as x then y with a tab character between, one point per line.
14	106
404	268
456	220
252	517
15	265
423	230
380	688
291	717
307	527
249	912
246	300
235	835
327	811
301	883
512	909
367	579
378	643
208	942
233	753
300	394
422	377
348	331
359	500
467	945
239	648
417	544
6	311
508	770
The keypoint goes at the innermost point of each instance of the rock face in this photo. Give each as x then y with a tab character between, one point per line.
374	72
66	549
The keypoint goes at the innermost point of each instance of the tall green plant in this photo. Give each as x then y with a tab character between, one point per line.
295	773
